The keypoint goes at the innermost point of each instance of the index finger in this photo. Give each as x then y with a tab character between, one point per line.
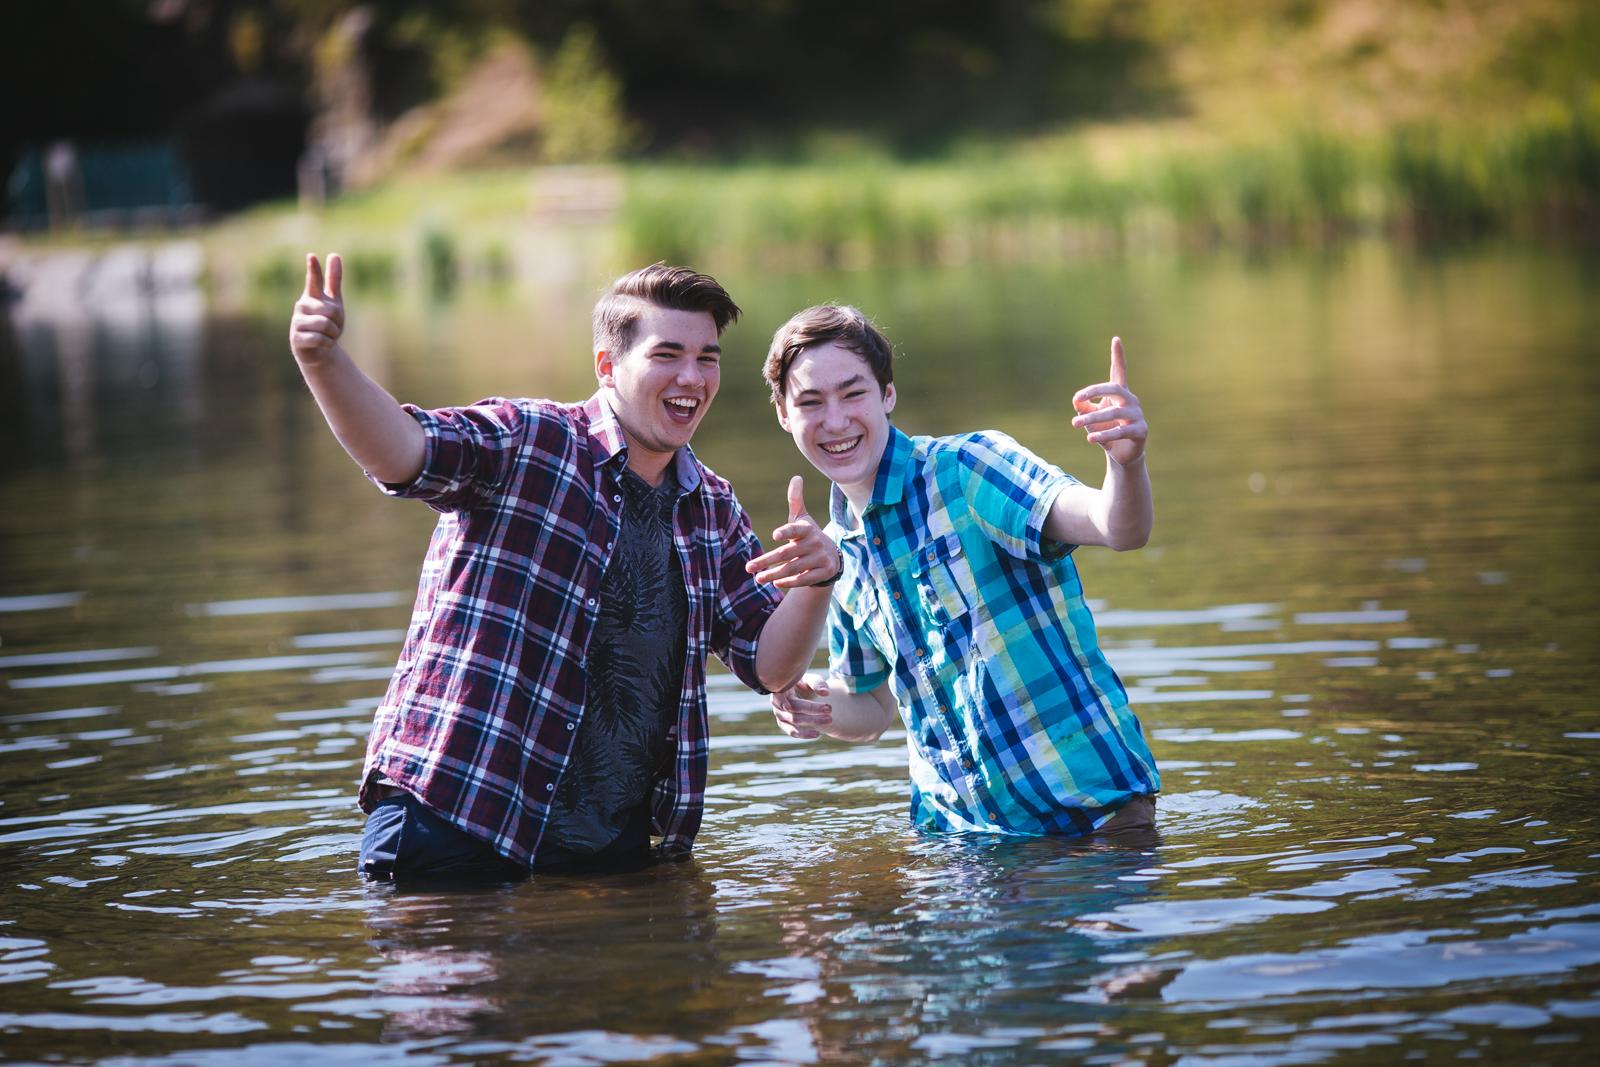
313	277
776	557
1119	367
335	276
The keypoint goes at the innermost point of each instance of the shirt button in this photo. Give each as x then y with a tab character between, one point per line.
877	541
922	652
572	726
591	602
549	787
992	816
610	545
930	556
896	594
966	765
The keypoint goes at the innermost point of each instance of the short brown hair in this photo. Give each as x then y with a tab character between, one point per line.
616	314
823	325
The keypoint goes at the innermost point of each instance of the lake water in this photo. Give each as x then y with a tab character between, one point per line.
1363	641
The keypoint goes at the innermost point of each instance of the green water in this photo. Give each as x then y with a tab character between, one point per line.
1363	640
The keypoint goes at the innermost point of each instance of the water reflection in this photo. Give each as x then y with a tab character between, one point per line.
1364	656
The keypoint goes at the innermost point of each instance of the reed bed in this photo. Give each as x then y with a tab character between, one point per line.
1537	174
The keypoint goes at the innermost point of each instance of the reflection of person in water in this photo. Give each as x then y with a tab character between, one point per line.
470	962
968	937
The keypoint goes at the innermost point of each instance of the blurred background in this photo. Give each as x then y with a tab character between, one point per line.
442	139
1350	246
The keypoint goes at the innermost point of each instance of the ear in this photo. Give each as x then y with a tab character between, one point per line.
604	368
888	398
783	415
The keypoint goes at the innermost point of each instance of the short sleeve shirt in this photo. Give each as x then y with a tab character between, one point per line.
953	596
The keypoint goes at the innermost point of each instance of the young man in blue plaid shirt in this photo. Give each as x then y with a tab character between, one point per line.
958	608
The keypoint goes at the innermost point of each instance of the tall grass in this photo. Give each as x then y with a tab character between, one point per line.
1311	187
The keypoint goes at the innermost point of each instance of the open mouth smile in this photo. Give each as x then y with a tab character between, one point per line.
841	448
682	408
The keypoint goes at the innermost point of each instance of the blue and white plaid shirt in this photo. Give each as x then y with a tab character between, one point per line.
951	593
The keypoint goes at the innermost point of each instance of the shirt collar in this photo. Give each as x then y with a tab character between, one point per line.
888	488
608	445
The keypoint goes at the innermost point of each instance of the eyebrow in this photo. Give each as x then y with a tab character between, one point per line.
676	347
854	379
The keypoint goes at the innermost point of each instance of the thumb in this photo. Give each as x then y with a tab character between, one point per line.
797	498
313	278
1119	367
335	277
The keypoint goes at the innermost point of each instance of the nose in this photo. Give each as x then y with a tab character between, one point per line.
834	417
689	375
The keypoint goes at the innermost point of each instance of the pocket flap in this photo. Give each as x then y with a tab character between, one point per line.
943	549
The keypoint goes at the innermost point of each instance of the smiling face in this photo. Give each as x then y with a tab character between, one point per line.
661	387
838	416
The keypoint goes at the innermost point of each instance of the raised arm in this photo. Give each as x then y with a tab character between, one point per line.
818	705
368	422
1121	512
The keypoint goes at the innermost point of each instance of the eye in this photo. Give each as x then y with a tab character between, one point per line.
806	404
710	360
855	394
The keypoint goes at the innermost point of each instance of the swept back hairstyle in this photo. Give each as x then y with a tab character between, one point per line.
822	325
616	314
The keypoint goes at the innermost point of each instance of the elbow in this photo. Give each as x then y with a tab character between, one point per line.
777	683
1128	544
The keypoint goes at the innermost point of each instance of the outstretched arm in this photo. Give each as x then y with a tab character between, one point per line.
369	423
818	705
1120	513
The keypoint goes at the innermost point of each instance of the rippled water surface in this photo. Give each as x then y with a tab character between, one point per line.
1363	641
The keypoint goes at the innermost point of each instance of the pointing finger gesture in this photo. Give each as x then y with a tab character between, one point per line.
318	319
804	555
1110	414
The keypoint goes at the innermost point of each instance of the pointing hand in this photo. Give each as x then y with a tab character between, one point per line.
805	555
318	319
1111	414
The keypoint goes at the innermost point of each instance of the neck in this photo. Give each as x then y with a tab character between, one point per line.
651	466
859	494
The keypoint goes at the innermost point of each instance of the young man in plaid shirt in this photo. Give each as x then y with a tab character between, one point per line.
959	609
548	711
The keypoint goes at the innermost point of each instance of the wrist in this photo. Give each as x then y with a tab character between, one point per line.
1132	464
838	570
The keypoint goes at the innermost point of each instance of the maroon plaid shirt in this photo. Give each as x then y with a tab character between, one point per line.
486	700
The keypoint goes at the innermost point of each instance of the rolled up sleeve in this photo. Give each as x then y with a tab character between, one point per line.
468	454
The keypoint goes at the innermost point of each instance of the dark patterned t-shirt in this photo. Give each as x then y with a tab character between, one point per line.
635	676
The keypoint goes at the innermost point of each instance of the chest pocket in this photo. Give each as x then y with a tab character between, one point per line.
860	603
944	579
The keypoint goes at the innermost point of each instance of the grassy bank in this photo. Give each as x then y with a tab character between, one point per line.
1097	192
1538	174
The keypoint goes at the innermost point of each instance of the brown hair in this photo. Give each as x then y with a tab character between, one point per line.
616	314
822	325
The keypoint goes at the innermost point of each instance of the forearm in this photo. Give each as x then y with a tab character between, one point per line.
858	716
790	637
368	422
1127	510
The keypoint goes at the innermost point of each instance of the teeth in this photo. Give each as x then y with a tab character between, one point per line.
838	449
684	403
